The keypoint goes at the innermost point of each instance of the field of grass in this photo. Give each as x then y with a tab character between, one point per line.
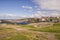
13	34
57	36
53	29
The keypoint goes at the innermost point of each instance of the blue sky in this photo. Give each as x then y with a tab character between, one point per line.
28	8
16	7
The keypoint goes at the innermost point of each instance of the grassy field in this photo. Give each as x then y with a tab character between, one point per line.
12	34
57	36
53	29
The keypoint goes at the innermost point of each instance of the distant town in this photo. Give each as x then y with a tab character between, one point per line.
32	20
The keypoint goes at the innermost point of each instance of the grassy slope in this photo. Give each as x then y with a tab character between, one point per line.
55	29
57	36
12	34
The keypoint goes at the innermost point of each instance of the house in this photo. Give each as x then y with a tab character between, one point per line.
43	19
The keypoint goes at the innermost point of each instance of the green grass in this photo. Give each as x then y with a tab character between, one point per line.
27	26
54	28
12	34
57	36
17	37
2	29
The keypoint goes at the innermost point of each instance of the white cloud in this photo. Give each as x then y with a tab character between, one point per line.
7	15
39	14
48	4
27	7
52	7
24	16
55	14
13	16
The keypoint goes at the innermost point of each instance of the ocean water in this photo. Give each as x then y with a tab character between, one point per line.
16	22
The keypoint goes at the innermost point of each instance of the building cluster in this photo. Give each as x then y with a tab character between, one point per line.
45	19
33	20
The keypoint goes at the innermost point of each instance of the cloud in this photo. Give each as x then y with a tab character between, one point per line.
47	8
55	14
39	14
27	7
9	16
13	16
48	4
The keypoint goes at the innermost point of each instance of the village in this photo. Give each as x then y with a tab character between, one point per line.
32	20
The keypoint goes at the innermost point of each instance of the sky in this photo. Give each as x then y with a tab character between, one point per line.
16	9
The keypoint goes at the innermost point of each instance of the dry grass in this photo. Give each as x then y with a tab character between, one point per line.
11	32
7	32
